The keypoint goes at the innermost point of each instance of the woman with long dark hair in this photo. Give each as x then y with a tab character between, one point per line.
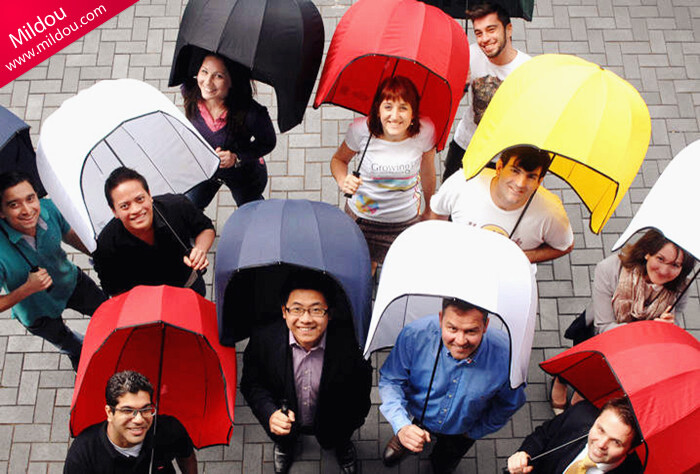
640	283
219	103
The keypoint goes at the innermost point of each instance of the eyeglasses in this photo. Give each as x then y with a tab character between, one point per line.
314	312
145	412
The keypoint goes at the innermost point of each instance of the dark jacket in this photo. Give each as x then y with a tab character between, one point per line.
574	422
252	138
343	398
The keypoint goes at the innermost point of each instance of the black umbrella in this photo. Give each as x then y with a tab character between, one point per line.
280	41
457	8
16	150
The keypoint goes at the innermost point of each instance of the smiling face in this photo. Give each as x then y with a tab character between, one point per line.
665	265
512	186
213	79
395	116
133	205
462	331
123	429
20	207
306	328
609	439
491	36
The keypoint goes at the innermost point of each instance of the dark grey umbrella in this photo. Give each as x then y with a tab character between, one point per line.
264	241
16	150
280	41
457	8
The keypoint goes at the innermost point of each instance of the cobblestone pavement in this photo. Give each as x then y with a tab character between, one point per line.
654	44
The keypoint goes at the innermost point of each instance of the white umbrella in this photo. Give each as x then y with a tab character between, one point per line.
436	259
117	123
671	204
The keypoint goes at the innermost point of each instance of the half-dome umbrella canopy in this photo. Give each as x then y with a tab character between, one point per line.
478	266
376	39
264	241
169	335
666	206
16	150
111	124
594	123
280	41
457	8
656	365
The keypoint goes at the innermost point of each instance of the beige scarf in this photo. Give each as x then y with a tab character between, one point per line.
635	299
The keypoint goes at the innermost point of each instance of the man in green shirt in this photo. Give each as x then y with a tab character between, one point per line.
38	280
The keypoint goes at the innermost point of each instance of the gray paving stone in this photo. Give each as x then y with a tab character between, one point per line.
31	433
19	458
16	414
29	383
12	370
43	411
5	441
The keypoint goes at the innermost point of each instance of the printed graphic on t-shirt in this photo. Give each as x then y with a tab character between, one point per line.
365	204
483	89
396	184
496	229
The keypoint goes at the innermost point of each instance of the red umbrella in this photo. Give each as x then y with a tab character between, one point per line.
169	335
380	38
657	365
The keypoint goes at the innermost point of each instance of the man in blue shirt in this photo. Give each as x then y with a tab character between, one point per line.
38	280
470	395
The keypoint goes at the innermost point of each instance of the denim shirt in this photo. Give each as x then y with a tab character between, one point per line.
470	396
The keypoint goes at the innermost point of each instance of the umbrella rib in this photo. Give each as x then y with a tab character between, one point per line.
184	142
148	158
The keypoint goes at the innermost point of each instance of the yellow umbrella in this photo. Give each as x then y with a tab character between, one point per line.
595	124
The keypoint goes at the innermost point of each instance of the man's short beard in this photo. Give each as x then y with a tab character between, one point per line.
499	50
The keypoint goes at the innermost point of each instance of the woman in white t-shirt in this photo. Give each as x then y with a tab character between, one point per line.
399	160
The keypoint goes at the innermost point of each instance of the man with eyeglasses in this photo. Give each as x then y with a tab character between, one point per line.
305	374
124	443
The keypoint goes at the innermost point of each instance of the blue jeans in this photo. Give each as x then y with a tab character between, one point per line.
86	298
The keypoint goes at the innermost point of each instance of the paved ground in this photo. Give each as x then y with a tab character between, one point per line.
654	44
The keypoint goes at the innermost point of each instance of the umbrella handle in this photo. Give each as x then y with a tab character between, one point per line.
35	269
357	175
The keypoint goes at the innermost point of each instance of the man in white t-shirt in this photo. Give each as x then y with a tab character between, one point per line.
491	59
501	201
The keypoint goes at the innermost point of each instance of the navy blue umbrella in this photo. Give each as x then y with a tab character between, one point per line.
264	241
16	150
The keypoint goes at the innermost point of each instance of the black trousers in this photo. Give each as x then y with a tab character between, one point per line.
246	183
86	298
453	160
448	452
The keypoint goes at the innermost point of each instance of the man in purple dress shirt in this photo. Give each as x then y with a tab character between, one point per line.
305	374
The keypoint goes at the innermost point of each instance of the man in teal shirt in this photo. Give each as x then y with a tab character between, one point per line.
38	280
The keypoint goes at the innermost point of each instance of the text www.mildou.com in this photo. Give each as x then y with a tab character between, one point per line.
44	36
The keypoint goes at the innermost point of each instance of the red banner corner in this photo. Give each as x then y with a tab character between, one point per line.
32	32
